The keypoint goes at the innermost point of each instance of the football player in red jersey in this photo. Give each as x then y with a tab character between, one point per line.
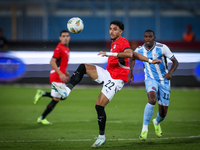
113	78
58	75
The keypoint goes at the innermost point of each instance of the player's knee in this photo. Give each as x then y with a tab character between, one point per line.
82	68
152	97
152	101
56	99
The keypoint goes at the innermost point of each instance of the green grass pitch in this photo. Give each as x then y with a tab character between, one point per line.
75	120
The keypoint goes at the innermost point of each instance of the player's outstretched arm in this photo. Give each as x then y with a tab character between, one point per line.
127	53
143	58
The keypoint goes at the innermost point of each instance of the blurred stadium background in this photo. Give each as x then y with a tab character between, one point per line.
32	29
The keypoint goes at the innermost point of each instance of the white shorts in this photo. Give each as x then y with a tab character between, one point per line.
110	85
55	93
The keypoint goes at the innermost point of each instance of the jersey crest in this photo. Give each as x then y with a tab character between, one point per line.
155	55
113	48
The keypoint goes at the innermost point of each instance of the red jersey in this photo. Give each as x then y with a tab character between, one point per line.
61	53
119	67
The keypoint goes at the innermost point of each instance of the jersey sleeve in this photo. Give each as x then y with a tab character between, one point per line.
136	50
56	53
125	44
167	52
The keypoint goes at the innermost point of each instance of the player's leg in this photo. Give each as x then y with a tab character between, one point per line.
47	94
160	117
151	88
110	87
39	94
42	119
77	76
161	114
101	102
56	98
163	101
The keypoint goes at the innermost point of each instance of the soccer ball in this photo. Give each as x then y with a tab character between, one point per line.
75	25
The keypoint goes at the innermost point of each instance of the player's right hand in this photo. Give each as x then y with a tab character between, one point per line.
156	61
102	53
63	78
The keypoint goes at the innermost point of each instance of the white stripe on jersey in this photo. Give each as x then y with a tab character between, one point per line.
148	66
125	67
157	66
52	71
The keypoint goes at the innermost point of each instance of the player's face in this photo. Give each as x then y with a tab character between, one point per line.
149	39
115	32
65	38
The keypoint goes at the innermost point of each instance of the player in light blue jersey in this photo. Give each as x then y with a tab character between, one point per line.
157	80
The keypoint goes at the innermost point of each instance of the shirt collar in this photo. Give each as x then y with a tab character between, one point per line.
151	48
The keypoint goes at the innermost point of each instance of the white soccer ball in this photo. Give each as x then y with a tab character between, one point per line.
75	25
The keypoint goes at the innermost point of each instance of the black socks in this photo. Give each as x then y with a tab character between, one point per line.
47	94
77	76
101	119
49	108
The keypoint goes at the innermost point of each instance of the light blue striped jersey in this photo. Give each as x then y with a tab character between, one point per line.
156	71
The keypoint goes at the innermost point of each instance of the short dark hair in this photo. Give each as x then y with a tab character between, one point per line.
149	30
63	32
118	23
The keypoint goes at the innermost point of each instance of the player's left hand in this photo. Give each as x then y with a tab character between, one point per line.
67	75
130	77
156	61
102	53
168	76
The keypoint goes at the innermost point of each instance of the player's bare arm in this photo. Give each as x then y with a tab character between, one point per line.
55	67
143	58
168	75
127	53
130	76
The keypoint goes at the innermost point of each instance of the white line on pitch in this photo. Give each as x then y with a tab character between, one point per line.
82	140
